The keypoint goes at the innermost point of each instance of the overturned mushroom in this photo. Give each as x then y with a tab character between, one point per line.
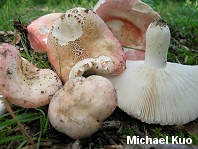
81	34
128	20
80	107
157	91
38	31
22	83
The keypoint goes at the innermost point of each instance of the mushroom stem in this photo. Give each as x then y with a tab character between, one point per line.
157	44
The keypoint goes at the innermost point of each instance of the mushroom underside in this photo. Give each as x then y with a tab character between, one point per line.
166	96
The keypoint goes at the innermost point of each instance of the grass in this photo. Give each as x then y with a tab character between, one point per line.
9	127
128	132
182	18
178	14
29	10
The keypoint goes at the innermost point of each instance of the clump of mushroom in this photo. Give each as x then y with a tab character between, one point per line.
80	44
81	34
128	20
154	90
38	31
80	107
22	83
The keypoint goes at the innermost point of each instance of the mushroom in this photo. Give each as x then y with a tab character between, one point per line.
80	107
2	106
38	31
22	83
81	34
128	20
154	90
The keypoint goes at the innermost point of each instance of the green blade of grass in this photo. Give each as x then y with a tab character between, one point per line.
12	138
25	117
21	145
41	128
7	114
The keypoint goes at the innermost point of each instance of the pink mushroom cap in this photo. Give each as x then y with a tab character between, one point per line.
81	34
22	83
38	31
128	20
81	106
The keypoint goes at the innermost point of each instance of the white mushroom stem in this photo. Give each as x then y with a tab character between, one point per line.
157	91
157	44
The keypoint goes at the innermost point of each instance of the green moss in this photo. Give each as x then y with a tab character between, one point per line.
158	133
128	132
194	138
187	57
